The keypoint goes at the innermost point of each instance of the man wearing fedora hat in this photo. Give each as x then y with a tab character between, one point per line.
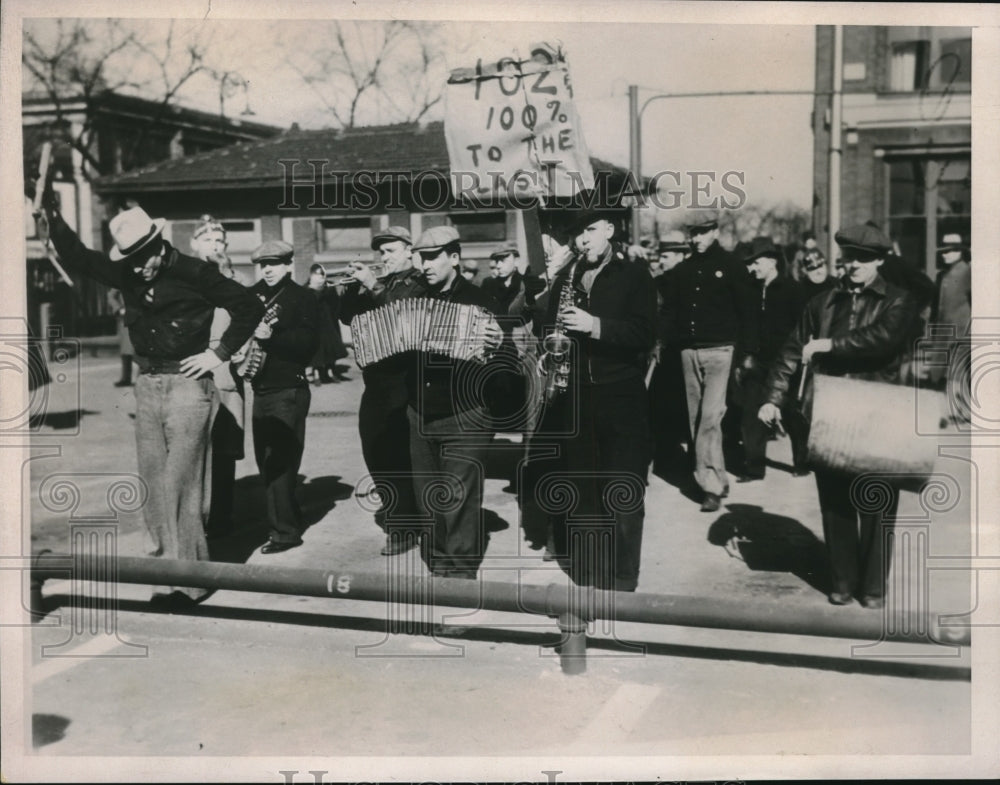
170	299
712	310
858	329
382	422
953	296
781	304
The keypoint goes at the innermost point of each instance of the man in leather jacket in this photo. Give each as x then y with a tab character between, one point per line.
858	329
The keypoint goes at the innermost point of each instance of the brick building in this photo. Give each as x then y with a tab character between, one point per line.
906	133
324	191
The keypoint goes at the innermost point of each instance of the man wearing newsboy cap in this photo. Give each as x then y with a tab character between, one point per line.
289	334
382	422
857	329
170	299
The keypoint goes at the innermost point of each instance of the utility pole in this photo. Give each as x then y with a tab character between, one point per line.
836	115
635	152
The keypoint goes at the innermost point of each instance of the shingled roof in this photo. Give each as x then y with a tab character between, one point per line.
406	147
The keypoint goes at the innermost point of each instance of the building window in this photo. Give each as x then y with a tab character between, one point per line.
344	239
909	64
242	238
928	196
481	226
929	58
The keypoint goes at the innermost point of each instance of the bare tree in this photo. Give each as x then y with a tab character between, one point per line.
82	60
372	72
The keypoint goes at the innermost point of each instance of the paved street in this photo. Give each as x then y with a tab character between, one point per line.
259	674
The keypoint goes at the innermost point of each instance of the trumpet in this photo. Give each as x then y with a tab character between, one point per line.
345	276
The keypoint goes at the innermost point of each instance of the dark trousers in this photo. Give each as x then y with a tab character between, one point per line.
606	463
384	429
226	432
756	434
669	418
448	475
855	540
279	432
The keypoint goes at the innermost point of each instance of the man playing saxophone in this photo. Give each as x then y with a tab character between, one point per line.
607	306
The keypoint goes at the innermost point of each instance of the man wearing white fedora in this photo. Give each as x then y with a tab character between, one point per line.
170	299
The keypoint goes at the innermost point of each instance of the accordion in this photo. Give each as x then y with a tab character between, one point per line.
421	324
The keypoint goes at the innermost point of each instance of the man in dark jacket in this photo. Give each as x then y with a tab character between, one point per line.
382	421
612	327
449	423
170	300
781	304
859	330
714	322
289	334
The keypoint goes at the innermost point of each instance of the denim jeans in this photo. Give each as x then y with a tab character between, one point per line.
706	377
173	423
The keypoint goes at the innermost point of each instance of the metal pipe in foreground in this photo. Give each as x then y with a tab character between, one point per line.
573	606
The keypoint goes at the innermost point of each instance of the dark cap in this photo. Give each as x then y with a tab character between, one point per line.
584	218
435	238
273	251
391	233
317	268
760	247
813	260
952	242
865	240
701	221
505	250
674	241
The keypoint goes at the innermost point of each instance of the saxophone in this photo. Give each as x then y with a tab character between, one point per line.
554	363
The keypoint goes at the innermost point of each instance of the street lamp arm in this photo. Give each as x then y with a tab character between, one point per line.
721	93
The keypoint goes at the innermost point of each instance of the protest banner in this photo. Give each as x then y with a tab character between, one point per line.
513	130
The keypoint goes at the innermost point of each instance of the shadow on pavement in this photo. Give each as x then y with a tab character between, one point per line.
60	420
771	543
600	648
316	497
47	729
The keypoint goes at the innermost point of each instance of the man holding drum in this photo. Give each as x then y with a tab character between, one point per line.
857	329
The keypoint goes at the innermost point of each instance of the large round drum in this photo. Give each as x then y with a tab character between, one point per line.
860	427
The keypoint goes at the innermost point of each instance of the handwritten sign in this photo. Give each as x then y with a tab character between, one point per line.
512	128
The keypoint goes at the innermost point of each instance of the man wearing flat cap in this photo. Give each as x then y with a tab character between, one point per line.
170	299
449	421
382	421
712	310
611	324
289	336
859	330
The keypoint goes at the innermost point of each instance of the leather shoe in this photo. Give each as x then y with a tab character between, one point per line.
869	601
277	547
840	598
711	503
395	544
748	478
